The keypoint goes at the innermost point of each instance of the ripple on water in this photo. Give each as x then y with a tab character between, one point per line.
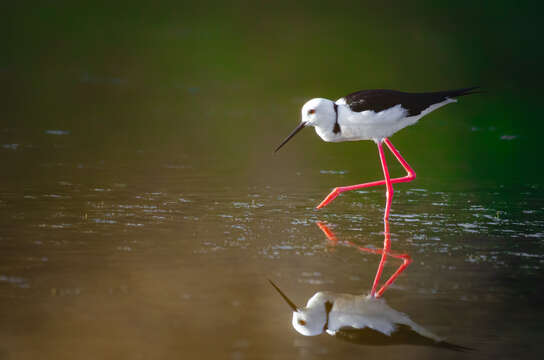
57	132
435	223
15	281
10	146
247	205
333	172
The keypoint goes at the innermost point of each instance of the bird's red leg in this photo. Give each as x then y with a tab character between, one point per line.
388	184
411	175
387	236
406	259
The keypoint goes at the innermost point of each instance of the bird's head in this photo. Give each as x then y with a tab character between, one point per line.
316	112
310	320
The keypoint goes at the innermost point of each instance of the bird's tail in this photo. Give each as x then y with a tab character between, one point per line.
462	92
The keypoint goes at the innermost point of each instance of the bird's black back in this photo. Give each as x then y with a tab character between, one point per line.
413	103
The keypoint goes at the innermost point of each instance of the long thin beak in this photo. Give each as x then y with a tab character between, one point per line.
287	300
297	129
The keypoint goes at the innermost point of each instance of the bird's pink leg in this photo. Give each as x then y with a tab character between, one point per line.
411	175
387	235
388	184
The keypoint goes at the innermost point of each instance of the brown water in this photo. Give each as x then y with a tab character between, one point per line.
161	257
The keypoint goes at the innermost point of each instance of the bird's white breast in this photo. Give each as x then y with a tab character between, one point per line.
368	124
365	125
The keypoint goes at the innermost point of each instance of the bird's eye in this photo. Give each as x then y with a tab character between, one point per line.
311	111
302	322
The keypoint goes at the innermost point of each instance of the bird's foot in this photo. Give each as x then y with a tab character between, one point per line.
334	193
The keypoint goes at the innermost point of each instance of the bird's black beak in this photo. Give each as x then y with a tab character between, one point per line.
287	300
297	129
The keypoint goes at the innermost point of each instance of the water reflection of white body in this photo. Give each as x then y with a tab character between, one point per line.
361	319
330	312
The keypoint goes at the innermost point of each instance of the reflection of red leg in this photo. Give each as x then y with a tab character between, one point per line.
406	260
385	251
328	233
411	175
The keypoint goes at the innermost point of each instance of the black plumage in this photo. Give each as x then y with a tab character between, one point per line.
336	128
404	335
413	103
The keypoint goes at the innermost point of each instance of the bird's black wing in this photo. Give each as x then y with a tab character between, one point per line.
413	103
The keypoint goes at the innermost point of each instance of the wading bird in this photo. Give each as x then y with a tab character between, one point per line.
372	115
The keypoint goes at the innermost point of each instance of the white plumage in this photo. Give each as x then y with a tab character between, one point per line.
351	311
355	126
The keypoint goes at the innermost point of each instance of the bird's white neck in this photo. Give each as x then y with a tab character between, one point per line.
330	130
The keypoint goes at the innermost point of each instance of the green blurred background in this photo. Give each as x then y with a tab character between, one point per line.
224	81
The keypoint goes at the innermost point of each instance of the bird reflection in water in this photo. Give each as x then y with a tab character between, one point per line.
362	319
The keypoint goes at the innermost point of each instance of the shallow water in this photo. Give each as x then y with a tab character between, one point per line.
160	259
142	211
